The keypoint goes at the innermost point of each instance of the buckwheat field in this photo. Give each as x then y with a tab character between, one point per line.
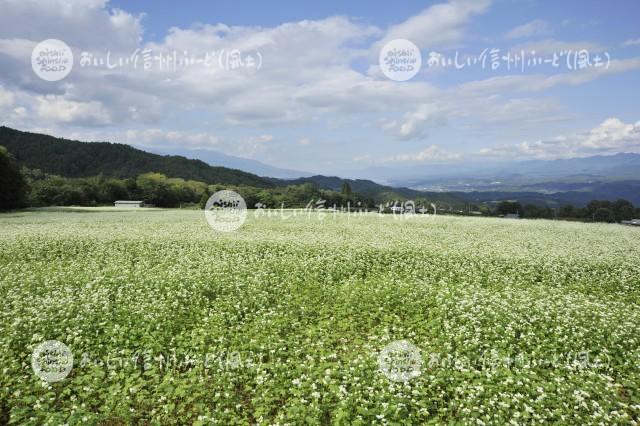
297	320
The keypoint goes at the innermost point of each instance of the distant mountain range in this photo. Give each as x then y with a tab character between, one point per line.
81	159
572	181
248	165
624	166
552	182
70	158
372	189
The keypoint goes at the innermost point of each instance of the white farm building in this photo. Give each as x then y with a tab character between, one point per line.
129	203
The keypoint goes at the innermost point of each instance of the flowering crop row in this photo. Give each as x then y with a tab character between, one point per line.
282	321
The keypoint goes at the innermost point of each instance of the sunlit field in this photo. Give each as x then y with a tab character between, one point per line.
283	321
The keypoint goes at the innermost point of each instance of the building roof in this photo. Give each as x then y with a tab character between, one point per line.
128	201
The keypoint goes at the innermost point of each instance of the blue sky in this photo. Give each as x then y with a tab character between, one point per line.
319	101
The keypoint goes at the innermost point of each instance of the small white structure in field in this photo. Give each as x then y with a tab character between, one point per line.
633	222
512	216
129	203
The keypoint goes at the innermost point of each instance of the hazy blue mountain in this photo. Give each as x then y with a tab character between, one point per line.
573	181
578	195
624	166
371	189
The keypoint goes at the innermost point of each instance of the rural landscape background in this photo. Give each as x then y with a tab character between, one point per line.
323	213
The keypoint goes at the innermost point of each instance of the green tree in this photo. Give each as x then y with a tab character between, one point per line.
622	210
13	187
604	214
594	205
115	189
346	189
509	207
155	189
568	211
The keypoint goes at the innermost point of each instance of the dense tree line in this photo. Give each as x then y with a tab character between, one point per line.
13	187
162	191
595	211
32	187
69	158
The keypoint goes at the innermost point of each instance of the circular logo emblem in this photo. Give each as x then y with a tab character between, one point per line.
225	211
52	361
52	60
400	59
400	361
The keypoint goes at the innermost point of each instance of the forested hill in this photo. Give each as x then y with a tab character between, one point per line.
82	159
371	189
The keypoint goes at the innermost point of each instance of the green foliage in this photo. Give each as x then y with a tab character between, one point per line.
509	207
374	192
75	159
603	214
607	211
13	188
346	189
294	313
622	210
158	190
538	212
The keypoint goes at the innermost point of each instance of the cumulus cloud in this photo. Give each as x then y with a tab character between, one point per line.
58	110
531	28
85	24
609	137
431	153
440	25
312	73
539	82
163	138
415	124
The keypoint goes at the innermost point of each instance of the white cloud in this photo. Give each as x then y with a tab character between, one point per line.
313	71
431	153
307	71
362	158
60	110
611	136
632	42
163	138
264	138
440	25
531	28
539	82
548	47
415	124
6	98
85	24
